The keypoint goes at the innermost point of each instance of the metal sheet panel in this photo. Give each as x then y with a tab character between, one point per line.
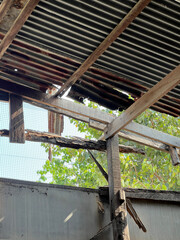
33	211
60	34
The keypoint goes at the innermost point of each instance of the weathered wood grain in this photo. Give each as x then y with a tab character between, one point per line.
4	7
16	133
116	194
77	143
174	156
17	25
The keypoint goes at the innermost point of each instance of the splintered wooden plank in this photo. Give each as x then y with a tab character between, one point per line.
148	99
16	134
76	143
135	11
4	7
116	194
17	25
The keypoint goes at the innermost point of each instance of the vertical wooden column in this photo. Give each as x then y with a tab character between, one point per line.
116	194
16	129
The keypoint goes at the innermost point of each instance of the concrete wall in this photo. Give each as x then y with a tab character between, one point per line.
33	211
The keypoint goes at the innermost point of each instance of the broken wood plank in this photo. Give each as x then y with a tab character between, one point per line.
134	12
17	25
16	133
174	156
148	99
96	118
4	7
77	143
134	215
118	209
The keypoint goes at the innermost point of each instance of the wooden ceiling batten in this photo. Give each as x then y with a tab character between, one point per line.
134	12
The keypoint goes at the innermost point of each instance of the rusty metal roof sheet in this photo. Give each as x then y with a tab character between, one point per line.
59	36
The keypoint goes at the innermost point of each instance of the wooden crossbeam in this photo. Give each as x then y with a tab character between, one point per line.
17	25
4	7
16	133
153	134
148	99
96	118
134	12
74	142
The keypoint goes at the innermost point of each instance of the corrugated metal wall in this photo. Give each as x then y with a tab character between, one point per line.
33	211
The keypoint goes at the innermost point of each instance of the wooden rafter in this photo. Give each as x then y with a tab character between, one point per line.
17	25
135	11
96	118
148	99
4	7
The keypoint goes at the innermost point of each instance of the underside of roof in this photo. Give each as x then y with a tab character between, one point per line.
60	34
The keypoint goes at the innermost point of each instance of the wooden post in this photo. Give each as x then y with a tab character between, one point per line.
16	134
116	194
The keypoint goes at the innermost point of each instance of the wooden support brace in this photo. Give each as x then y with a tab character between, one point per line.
174	156
104	173
147	100
16	134
119	213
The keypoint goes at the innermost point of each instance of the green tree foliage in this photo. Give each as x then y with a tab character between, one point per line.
152	171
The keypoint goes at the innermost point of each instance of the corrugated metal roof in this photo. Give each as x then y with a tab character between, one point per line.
60	35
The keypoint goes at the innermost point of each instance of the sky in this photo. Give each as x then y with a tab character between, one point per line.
22	161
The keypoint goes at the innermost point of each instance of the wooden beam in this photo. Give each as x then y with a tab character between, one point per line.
135	137
74	142
4	7
17	25
174	156
117	208
16	133
134	12
96	118
153	134
148	99
145	194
